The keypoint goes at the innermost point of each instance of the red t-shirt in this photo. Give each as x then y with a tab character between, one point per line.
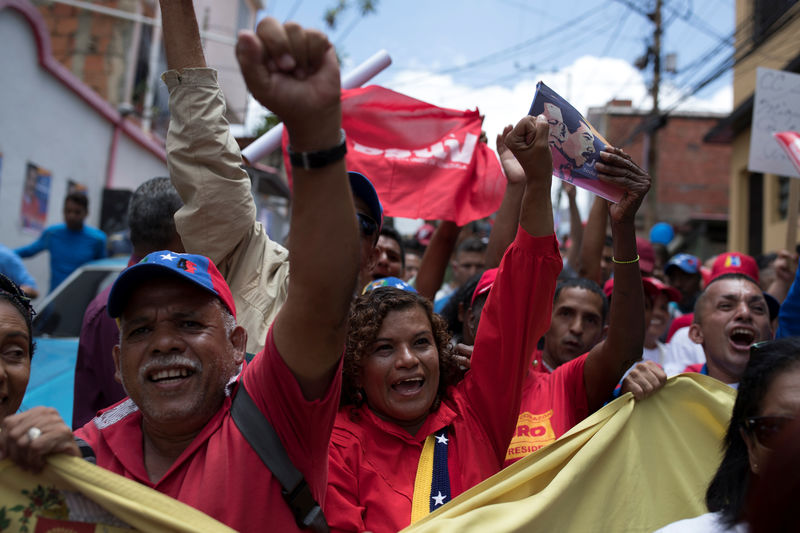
552	403
373	463
219	473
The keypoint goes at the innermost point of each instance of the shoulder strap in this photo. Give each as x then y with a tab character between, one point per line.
255	427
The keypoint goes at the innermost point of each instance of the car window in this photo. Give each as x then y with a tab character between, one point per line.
62	317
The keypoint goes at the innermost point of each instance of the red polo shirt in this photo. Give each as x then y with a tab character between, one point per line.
373	463
219	473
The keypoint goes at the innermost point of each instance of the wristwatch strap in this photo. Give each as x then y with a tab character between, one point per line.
320	158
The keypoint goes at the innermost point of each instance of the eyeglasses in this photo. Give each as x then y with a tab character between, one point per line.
766	428
367	225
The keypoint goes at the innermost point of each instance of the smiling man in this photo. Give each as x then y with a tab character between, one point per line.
181	353
731	315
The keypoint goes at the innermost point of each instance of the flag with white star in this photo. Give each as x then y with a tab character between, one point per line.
432	483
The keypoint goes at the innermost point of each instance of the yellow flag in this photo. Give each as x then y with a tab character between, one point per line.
630	467
72	495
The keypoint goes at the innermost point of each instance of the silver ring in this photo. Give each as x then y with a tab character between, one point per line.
34	433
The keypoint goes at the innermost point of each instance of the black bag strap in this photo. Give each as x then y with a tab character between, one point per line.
262	437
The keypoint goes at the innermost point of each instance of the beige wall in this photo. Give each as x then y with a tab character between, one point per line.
775	53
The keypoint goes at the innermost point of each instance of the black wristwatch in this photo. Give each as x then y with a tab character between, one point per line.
320	158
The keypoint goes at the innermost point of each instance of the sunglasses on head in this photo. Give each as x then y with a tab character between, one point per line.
367	225
766	428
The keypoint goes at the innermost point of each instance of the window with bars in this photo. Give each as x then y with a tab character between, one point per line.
783	196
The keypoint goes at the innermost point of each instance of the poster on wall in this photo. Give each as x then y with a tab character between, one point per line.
35	197
74	186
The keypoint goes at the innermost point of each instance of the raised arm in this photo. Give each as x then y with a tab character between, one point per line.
294	72
785	265
507	220
575	227
517	311
528	142
609	359
203	157
435	259
218	218
594	239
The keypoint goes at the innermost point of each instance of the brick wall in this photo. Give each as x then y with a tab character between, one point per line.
92	45
693	176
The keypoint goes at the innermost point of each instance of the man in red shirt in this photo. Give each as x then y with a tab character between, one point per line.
562	386
181	353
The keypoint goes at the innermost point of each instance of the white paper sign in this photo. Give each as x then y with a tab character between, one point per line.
776	108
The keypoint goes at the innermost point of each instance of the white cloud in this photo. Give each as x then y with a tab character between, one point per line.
587	82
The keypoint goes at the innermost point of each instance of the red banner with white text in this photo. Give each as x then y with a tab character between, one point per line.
424	161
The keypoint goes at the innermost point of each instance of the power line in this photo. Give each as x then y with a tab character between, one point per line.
505	53
726	64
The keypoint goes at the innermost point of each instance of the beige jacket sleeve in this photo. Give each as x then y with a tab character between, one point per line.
218	218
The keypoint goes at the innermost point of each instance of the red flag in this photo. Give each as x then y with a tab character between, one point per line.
790	142
424	161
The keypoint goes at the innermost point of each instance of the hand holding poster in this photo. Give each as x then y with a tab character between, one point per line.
574	143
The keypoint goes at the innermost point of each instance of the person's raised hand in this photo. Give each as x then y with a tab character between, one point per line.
511	167
463	354
644	379
294	73
785	266
30	436
617	167
570	189
528	142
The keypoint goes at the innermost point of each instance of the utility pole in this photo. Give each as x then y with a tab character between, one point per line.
651	215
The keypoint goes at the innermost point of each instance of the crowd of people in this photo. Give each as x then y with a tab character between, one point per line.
405	370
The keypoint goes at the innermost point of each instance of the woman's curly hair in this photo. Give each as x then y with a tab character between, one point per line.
366	317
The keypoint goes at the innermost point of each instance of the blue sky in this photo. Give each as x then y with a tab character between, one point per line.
490	54
462	53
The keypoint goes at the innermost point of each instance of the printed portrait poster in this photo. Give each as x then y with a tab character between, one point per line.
574	143
35	197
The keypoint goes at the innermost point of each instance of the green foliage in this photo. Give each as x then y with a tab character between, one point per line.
365	7
270	121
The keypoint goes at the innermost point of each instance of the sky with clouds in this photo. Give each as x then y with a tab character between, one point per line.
490	54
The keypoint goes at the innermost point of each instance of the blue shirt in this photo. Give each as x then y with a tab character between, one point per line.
789	314
68	249
11	265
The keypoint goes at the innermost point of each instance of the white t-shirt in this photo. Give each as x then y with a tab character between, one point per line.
682	352
705	523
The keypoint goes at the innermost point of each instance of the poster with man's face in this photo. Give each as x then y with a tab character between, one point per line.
35	197
574	143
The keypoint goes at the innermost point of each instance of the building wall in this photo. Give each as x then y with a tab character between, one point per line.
775	52
51	125
692	177
97	47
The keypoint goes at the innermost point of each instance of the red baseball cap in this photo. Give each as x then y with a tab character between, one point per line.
484	284
734	263
650	288
647	257
673	294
